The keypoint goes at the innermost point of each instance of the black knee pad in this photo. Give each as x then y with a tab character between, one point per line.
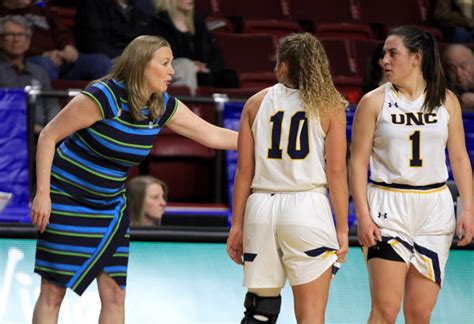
383	250
261	309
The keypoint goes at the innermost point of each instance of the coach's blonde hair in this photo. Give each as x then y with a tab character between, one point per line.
130	68
308	70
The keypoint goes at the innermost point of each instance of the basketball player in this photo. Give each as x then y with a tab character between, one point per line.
406	216
292	148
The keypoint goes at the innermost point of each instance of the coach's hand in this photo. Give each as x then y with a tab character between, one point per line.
40	211
234	244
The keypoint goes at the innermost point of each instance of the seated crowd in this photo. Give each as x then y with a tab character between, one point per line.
102	28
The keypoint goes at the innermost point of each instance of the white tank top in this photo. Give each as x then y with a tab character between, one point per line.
409	144
289	146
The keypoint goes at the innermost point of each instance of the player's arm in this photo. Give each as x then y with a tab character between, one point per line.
363	130
461	167
243	176
336	171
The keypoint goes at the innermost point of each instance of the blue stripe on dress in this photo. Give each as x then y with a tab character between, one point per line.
112	146
83	183
66	247
123	249
57	266
80	209
94	167
115	269
77	141
112	100
105	238
77	229
135	131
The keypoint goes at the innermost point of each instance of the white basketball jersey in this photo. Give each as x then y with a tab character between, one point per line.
409	144
289	145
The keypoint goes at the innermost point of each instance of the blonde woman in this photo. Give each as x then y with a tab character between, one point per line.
146	199
292	149
198	60
80	205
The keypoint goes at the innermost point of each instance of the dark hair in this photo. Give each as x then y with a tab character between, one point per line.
416	40
373	70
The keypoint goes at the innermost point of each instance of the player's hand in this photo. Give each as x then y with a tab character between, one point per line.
367	232
40	211
342	238
234	244
464	229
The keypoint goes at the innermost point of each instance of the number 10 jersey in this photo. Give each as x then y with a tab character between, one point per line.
409	143
289	144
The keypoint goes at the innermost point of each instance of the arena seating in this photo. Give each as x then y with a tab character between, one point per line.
247	34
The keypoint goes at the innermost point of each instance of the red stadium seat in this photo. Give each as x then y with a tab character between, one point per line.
325	11
207	7
340	57
350	87
67	15
363	50
233	93
247	52
343	30
275	27
268	9
184	165
402	12
179	90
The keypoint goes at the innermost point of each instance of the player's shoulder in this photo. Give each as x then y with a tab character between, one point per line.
372	101
254	102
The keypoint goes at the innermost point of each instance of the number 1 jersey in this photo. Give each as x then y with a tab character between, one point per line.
289	144
409	143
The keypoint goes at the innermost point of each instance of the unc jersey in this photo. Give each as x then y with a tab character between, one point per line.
289	145
409	143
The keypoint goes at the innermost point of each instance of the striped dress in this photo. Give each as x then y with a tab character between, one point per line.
88	231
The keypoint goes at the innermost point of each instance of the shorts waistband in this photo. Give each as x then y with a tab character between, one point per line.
317	189
409	187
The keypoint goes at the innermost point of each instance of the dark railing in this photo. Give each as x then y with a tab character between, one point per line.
217	99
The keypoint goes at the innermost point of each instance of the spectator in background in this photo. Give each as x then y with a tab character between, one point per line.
53	46
374	74
16	72
107	26
459	61
197	59
146	198
455	18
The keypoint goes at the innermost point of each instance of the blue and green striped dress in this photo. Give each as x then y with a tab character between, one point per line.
88	231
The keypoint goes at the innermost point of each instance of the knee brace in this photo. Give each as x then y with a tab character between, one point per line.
261	309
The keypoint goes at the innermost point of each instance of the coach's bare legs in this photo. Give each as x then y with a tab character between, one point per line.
311	299
420	297
112	298
387	283
48	303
